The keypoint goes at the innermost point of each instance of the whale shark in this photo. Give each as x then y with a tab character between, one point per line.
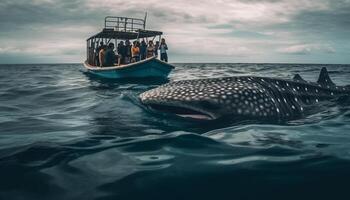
246	97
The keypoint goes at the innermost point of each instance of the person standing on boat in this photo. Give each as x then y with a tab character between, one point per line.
128	51
135	52
163	48
150	49
156	47
98	49
121	53
101	56
143	50
109	55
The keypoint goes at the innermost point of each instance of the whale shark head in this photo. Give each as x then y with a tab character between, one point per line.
210	99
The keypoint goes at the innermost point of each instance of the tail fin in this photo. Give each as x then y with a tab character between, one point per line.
324	79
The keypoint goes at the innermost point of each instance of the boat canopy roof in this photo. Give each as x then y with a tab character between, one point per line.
125	35
125	28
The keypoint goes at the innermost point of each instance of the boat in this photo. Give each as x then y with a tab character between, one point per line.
122	29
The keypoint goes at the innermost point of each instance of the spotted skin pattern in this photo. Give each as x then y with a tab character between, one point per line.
247	97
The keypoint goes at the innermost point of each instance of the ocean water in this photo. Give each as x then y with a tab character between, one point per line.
67	135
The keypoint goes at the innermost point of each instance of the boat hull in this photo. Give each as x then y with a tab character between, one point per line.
151	67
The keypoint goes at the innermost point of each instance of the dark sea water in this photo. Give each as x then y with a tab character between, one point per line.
67	135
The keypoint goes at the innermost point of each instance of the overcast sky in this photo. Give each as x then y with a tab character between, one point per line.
288	31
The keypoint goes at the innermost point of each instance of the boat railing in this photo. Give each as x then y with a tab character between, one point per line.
125	24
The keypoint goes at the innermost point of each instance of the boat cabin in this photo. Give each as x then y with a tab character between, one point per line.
116	29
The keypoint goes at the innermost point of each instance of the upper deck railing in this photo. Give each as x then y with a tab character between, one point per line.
125	24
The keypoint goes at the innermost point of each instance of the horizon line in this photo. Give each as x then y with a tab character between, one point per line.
76	63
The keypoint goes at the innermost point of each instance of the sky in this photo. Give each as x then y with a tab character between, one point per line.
237	31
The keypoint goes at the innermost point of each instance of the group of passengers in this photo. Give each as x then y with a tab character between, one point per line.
127	53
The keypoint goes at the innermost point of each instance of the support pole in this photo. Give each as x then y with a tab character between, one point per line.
87	52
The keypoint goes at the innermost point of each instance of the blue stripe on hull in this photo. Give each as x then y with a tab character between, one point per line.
142	70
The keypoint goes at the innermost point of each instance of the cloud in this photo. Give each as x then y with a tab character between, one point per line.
303	49
45	49
239	30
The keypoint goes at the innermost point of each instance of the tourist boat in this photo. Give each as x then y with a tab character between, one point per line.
124	28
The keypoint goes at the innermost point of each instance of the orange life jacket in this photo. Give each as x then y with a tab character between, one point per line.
135	51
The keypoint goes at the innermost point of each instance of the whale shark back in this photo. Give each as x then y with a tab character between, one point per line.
298	78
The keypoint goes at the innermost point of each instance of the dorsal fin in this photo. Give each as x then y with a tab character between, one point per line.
324	79
297	77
